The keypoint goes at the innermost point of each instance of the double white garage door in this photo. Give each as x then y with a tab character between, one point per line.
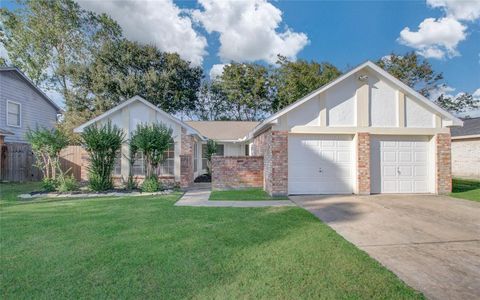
325	164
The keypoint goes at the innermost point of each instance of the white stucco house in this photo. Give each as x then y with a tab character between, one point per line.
365	132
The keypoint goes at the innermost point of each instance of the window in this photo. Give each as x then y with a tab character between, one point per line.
167	167
220	150
247	150
195	157
117	167
204	156
13	114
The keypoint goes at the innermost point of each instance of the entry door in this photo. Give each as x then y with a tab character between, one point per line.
320	164
400	164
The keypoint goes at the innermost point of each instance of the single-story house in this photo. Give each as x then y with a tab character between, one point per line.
365	132
466	149
23	106
183	162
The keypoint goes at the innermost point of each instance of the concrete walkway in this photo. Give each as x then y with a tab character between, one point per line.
198	196
431	242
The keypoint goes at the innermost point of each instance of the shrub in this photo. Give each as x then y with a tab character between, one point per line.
102	144
211	150
49	184
46	145
150	184
67	184
152	140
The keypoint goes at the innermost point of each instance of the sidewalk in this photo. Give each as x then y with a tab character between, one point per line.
199	197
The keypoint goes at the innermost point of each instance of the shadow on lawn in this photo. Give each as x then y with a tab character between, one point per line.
155	246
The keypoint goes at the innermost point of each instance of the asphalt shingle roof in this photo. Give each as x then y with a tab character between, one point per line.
470	127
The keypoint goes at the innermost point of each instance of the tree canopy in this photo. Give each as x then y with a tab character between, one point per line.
295	79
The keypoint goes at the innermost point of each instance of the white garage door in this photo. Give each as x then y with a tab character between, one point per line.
400	165
320	164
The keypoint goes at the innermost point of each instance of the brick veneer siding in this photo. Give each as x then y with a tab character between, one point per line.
363	163
443	164
186	159
273	145
236	172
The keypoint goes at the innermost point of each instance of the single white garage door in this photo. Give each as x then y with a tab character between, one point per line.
320	164
400	164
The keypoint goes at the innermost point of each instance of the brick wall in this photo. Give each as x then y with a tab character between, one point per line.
466	158
443	163
186	159
363	163
236	172
273	145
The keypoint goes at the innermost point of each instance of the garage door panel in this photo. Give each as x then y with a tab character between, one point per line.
320	164
400	164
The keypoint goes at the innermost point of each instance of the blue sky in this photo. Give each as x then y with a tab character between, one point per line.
345	33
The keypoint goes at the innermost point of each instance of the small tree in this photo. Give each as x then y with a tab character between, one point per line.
152	140
102	144
46	145
211	150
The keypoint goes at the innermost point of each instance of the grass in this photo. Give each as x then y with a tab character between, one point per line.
245	194
466	189
10	191
145	247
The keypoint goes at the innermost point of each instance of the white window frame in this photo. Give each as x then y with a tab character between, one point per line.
19	112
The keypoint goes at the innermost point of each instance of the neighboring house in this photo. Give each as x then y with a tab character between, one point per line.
365	132
183	162
23	105
466	149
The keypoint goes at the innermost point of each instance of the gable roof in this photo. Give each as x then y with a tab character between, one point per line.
471	127
139	99
223	130
24	77
373	67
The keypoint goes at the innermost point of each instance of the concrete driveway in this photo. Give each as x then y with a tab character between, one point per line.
431	242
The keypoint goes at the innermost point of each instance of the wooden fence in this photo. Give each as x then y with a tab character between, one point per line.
17	162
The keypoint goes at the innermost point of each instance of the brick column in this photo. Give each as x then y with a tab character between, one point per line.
363	163
443	164
186	159
277	182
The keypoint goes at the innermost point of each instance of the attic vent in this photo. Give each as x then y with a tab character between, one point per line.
363	78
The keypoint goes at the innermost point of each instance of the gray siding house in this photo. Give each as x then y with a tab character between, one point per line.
22	106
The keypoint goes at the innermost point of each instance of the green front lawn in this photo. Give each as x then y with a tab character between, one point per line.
466	189
244	194
145	247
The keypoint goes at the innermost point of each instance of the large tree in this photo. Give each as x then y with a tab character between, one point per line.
212	104
295	79
122	69
246	88
412	70
49	39
461	103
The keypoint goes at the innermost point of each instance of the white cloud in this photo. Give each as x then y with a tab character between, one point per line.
435	38
249	30
216	70
476	94
158	22
468	10
441	89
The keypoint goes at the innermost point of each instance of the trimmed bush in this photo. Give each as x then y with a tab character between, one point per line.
102	144
67	184
49	184
151	184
